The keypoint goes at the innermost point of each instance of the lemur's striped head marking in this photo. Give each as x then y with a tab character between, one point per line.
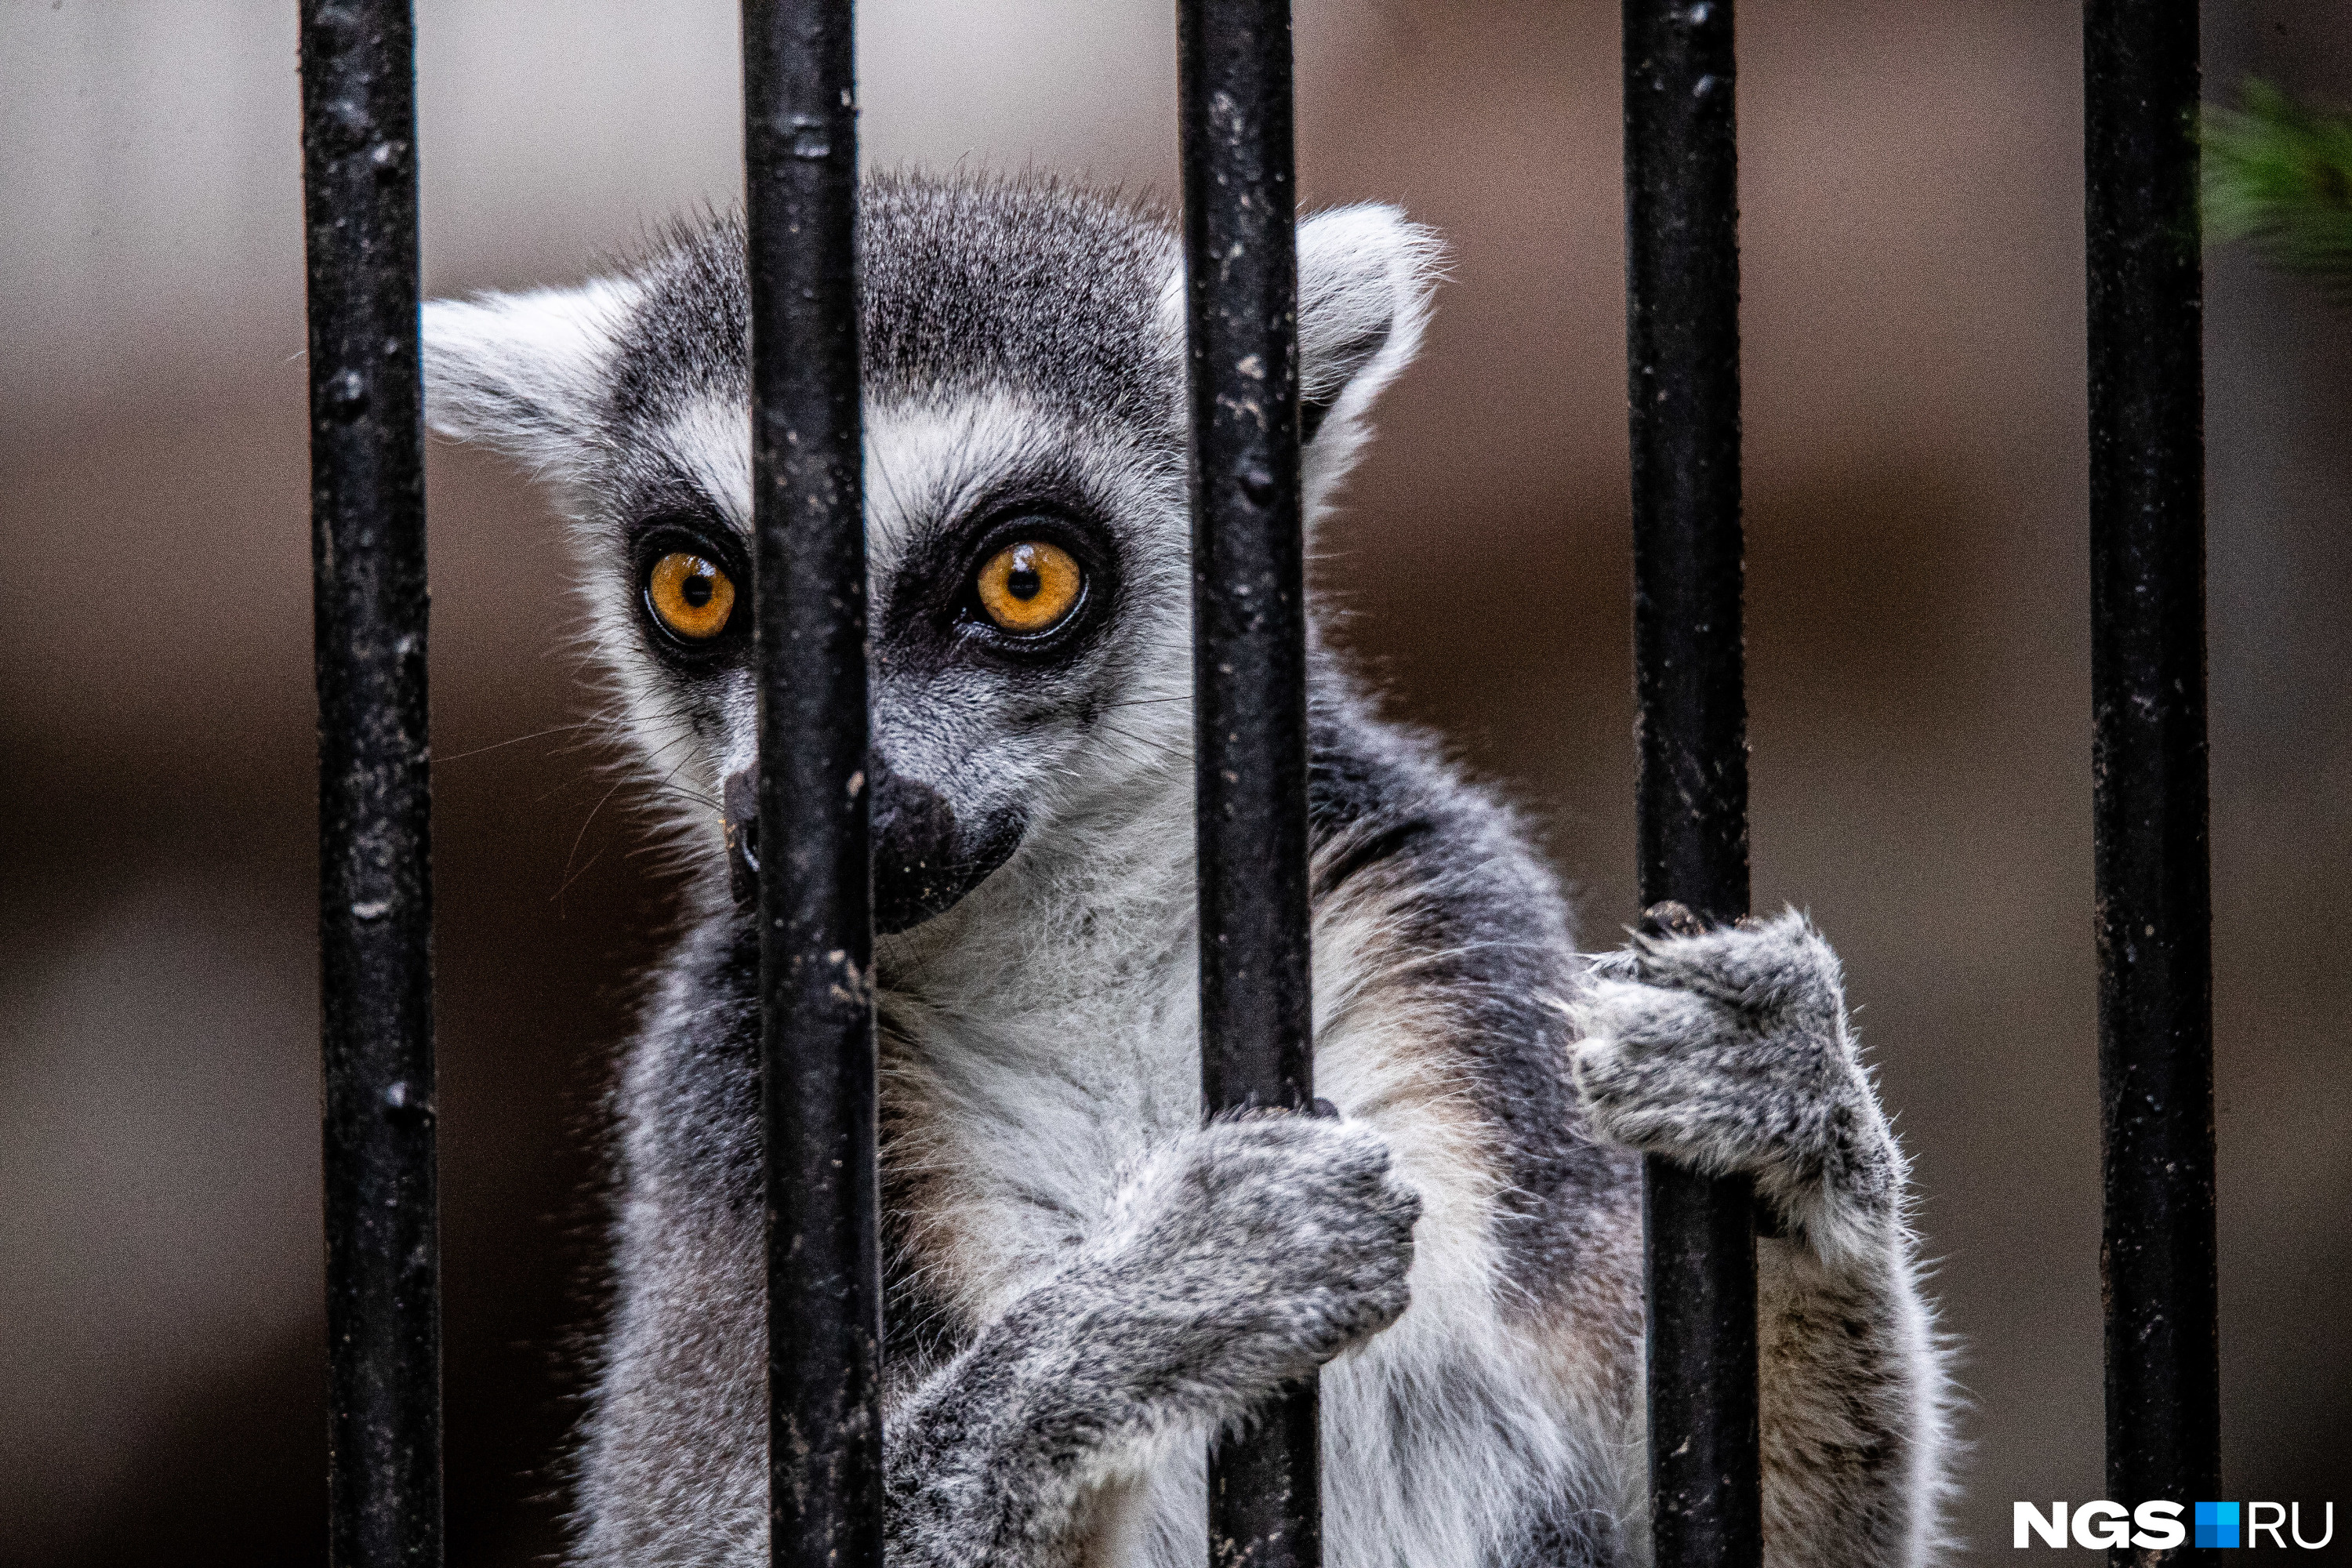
1027	529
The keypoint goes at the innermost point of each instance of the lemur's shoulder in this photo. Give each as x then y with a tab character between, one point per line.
1443	935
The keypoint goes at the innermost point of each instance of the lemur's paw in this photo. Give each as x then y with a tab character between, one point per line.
1253	1251
1727	1049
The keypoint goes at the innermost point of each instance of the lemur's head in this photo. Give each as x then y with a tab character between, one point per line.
1026	526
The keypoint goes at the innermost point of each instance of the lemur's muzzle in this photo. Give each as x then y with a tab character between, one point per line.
924	859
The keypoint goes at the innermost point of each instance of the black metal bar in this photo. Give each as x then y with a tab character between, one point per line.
376	889
1249	666
816	931
1682	276
2149	812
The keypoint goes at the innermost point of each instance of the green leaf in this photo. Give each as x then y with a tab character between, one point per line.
2280	175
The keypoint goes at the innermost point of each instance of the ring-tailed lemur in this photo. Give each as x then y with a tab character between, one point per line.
1085	1281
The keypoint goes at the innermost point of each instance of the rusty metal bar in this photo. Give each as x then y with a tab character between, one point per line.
375	887
816	929
2149	848
1249	666
1682	275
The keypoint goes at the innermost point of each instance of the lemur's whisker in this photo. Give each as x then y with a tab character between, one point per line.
683	793
582	834
622	782
874	451
557	897
517	740
1150	744
601	803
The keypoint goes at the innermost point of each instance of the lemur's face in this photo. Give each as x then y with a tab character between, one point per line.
1027	535
1027	612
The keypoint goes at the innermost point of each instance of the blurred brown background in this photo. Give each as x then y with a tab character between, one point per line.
1917	645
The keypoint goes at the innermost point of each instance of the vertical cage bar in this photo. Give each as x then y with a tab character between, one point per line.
375	909
2150	802
816	932
1249	666
1682	275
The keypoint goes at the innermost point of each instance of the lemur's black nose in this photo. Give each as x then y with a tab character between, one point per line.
742	802
922	862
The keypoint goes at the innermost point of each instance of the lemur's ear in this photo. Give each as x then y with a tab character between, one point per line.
527	373
1364	280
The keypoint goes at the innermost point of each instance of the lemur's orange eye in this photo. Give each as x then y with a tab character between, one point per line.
690	596
1031	587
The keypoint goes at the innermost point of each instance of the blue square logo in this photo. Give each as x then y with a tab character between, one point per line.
2217	1524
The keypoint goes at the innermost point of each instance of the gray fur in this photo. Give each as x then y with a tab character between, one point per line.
1085	1283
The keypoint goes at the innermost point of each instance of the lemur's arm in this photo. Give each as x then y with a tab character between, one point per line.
1729	1050
1234	1259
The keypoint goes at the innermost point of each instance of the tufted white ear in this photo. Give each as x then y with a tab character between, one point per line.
1365	275
528	374
1364	280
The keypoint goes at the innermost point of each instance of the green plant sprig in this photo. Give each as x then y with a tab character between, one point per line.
2280	175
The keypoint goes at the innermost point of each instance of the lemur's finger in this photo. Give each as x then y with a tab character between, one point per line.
1668	918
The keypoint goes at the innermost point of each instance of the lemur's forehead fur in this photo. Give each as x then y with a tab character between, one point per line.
967	288
964	290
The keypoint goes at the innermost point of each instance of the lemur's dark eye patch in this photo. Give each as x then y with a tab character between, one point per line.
1030	587
691	595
